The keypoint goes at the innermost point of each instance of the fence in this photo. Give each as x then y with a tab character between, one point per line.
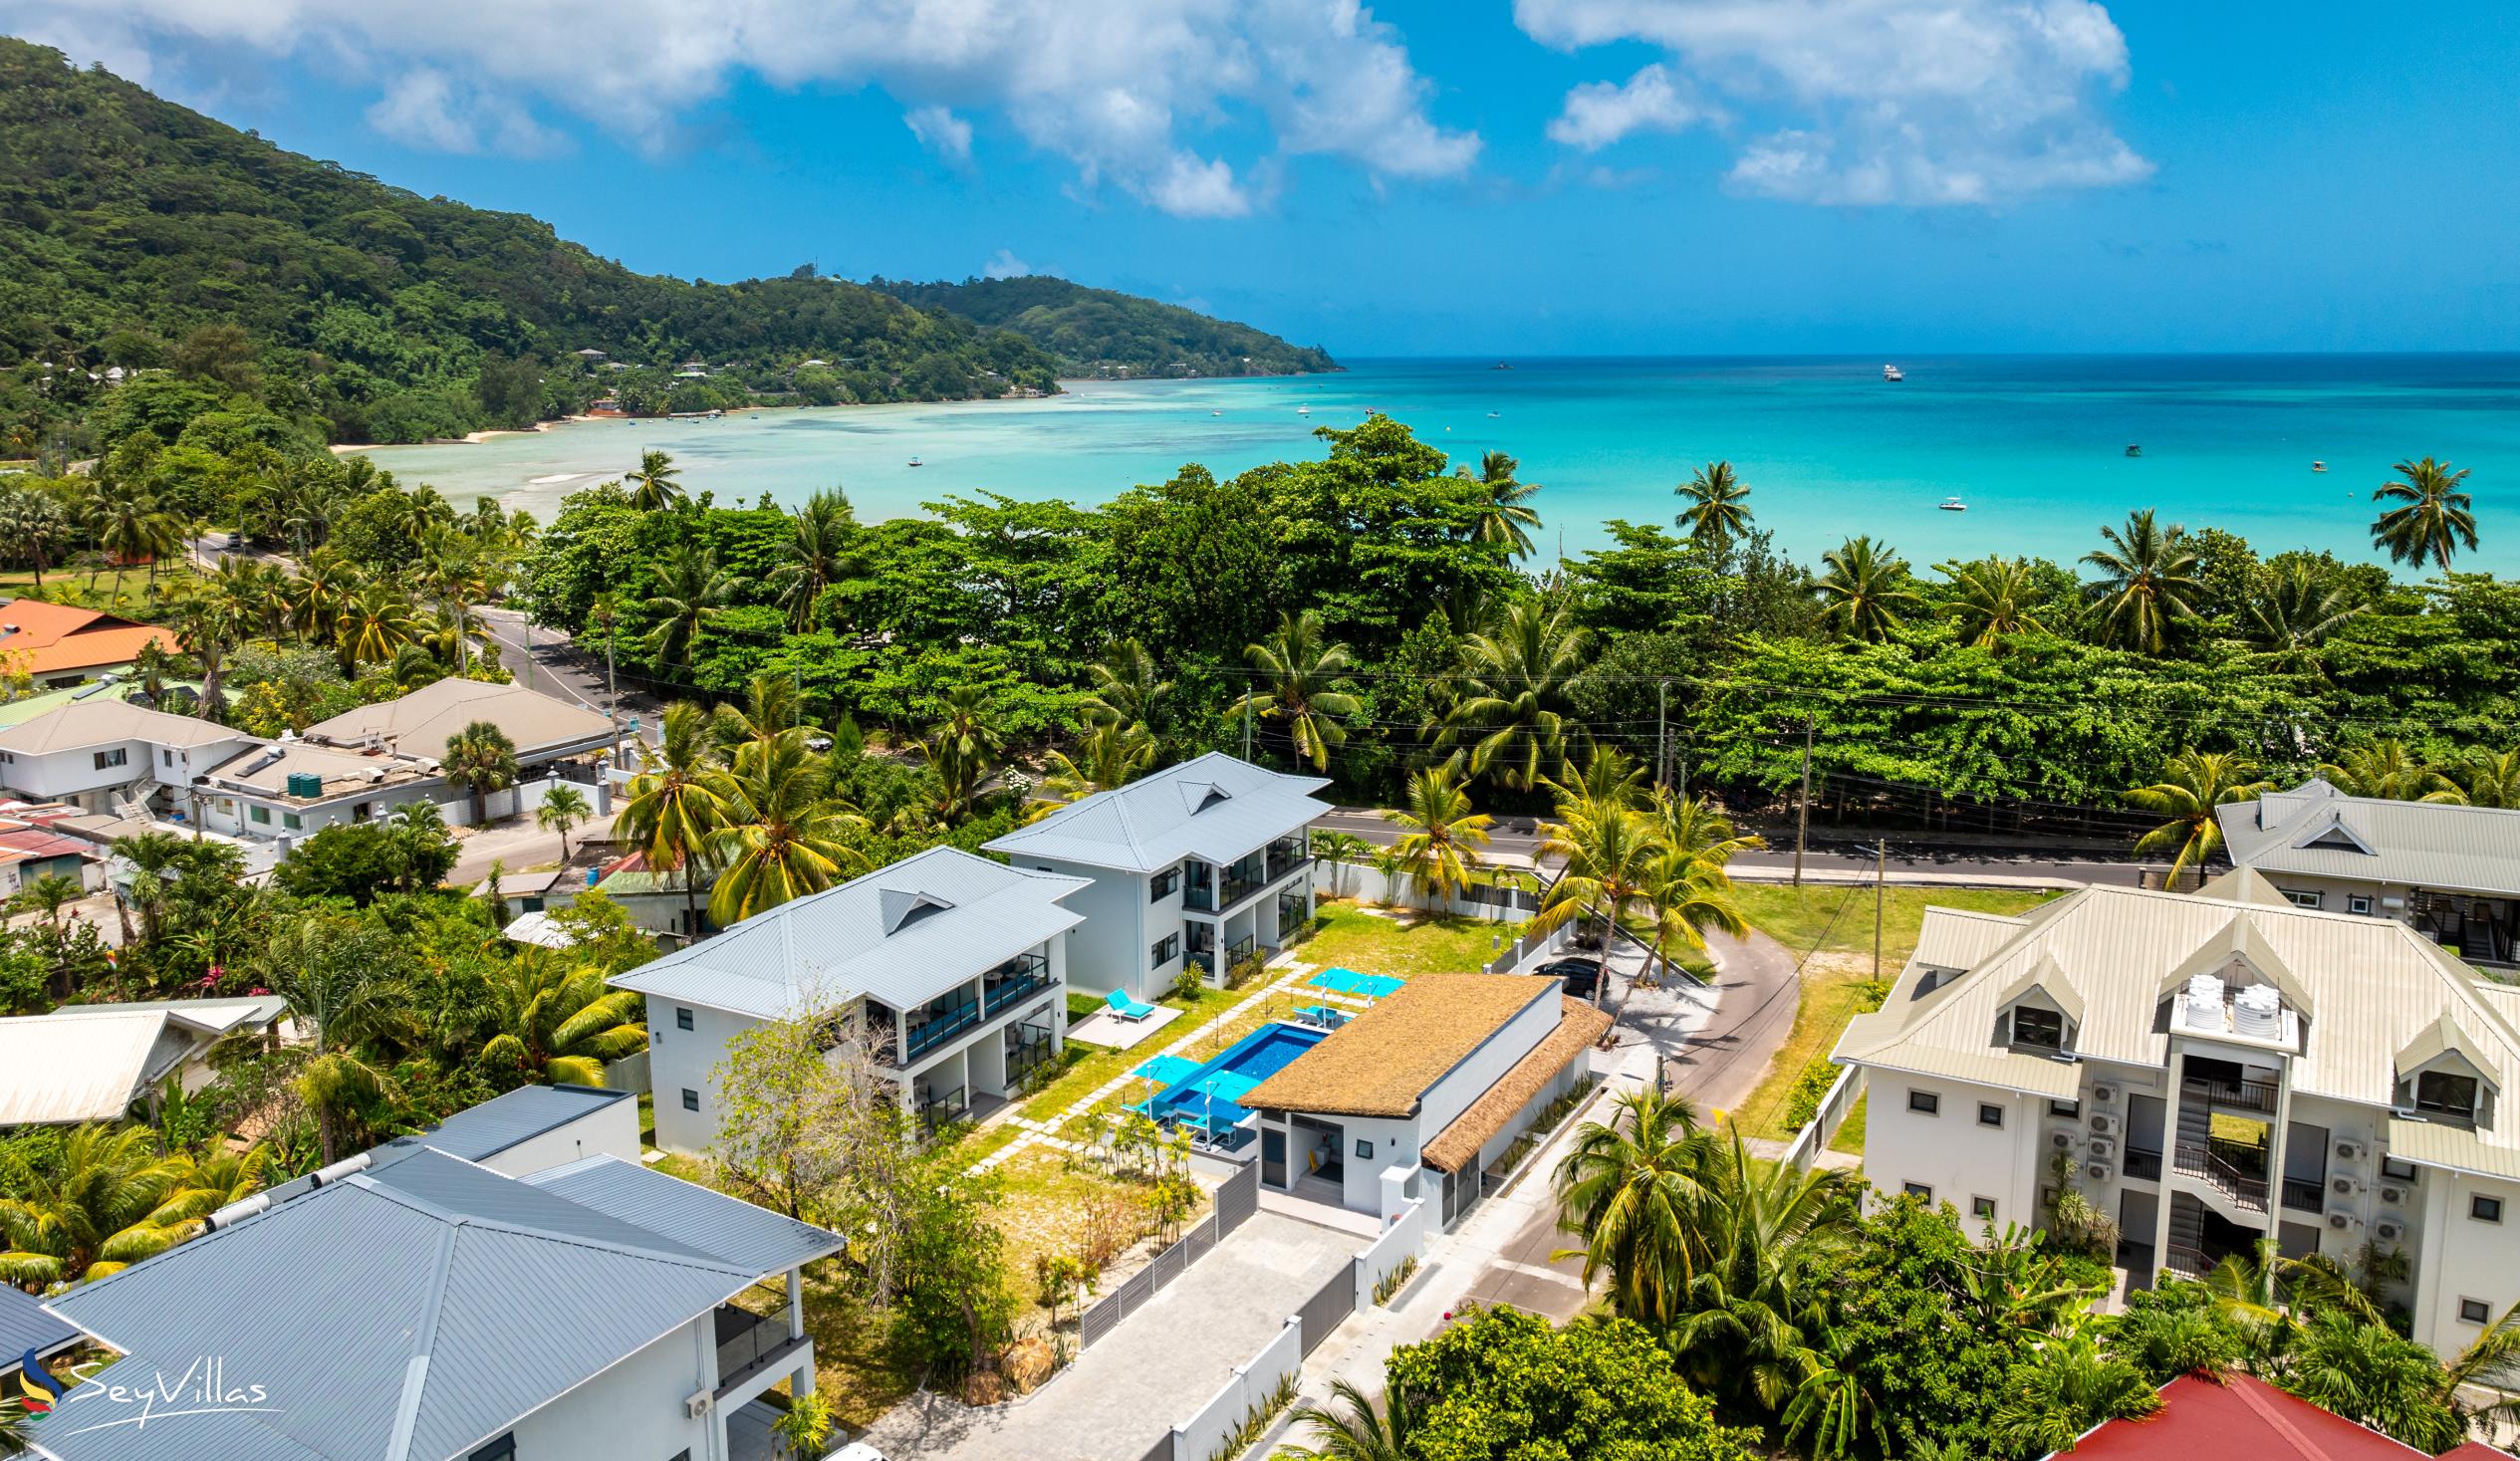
1353	880
1404	1239
1236	1201
1210	1434
1815	1135
1323	1312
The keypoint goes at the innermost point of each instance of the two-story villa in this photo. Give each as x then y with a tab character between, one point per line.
1208	862
2451	873
957	963
2215	1070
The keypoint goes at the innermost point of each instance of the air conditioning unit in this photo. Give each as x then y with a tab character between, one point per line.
2393	1196
2388	1230
2103	1126
696	1404
2341	1221
2344	1186
2349	1151
2063	1140
2098	1171
2103	1094
2102	1146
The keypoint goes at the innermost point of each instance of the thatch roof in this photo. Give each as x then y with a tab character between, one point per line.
1380	1063
1580	1025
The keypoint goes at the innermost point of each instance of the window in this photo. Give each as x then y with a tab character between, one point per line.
1925	1102
2485	1209
259	814
292	821
2396	1170
1365	1149
1983	1209
681	1018
2043	1029
2359	903
1917	1190
690	1100
2302	900
168	757
2475	1311
1166	885
1990	1114
1168	948
2066	1108
502	1449
2445	1093
119	756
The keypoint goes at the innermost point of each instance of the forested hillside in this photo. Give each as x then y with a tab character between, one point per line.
1091	328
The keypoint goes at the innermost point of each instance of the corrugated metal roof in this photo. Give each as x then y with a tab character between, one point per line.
2423	845
214	1016
2377	985
428	1291
88	1067
103	720
422	722
1215	807
831	947
751	1238
26	1324
482	1132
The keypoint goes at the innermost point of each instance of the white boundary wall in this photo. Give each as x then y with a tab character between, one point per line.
1204	1435
1405	1238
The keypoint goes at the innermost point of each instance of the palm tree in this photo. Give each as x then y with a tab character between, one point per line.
1440	846
1515	701
563	808
1685	898
2364	1372
480	759
1110	755
131	525
658	488
340	982
1301	672
2193	785
107	1200
1610	852
1716	516
1834	1404
1696	833
2147	583
1504	517
815	556
675	811
1353	1428
691	591
459	572
319	593
558	1023
373	622
34	524
1630	1189
964	745
1992	600
2489	778
2386	771
2065	1389
1339	850
1865	589
1755	1230
780	833
2296	614
1126	686
772	708
2434	519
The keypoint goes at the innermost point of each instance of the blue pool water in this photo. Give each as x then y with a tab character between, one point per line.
1205	1096
1166	1070
1349	981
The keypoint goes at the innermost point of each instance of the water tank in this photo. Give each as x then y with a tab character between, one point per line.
304	783
2259	1012
2205	1000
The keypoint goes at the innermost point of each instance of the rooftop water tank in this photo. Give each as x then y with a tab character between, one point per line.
2259	1012
2205	1000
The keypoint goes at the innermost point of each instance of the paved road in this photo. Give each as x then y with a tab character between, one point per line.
547	660
1720	1060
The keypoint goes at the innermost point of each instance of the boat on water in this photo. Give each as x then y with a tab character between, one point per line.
2134	450
1892	373
2318	466
1216	414
1954	504
1303	410
1491	415
1500	366
915	461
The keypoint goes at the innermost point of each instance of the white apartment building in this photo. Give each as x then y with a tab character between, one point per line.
102	753
958	963
2450	873
1208	862
2216	1070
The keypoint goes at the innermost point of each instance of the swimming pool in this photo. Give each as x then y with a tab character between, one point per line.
1205	1094
1349	981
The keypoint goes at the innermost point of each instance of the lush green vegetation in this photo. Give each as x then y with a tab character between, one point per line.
1091	331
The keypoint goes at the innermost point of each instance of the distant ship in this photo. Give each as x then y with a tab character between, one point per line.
2134	450
1500	366
2318	466
1303	410
1891	372
915	461
1954	504
1491	415
1216	414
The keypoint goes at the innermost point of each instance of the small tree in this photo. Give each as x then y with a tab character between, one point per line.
954	1309
806	1426
480	759
786	1105
563	808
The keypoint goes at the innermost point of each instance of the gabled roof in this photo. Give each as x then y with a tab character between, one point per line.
2243	1418
479	1132
104	721
2444	1037
420	1308
856	938
1383	1062
25	1324
1578	1027
2426	845
2243	942
1213	806
2049	979
83	1066
422	722
49	637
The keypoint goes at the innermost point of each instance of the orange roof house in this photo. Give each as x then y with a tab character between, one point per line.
54	642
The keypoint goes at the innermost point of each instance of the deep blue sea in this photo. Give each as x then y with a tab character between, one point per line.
2034	445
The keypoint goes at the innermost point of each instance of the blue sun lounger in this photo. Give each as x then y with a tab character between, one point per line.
1125	1007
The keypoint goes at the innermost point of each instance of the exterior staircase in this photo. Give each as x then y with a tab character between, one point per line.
2184	1254
2214	1179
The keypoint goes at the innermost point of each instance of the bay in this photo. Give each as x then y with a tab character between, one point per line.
2035	446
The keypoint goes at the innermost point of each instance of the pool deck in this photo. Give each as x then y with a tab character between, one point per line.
1111	1031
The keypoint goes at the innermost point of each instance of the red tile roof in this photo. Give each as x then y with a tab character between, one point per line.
2244	1417
57	636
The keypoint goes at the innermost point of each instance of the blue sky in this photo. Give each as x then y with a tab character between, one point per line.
1548	177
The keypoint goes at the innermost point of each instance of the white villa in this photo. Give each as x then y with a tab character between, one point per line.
2216	1070
2452	873
103	754
958	963
1206	862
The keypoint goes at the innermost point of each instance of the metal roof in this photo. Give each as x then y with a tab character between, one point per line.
422	722
751	1238
60	1068
25	1324
216	1014
2313	829
482	1132
1214	807
2378	987
831	947
105	720
408	1313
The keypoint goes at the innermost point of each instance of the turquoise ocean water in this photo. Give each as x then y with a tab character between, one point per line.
2034	445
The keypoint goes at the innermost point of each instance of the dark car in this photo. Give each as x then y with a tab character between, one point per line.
1580	974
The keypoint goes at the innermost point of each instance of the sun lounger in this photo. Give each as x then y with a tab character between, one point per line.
1125	1007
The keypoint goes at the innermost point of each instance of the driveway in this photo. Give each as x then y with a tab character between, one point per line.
516	841
1157	1368
1717	1062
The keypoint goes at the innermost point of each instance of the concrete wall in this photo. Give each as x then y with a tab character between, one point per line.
680	1060
1466	1082
611	1130
1951	1152
229	812
2465	1259
635	1408
1358	881
72	775
1109	950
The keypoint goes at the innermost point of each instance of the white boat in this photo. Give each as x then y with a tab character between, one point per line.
2318	466
1954	504
1303	410
1216	414
915	461
1491	415
1891	372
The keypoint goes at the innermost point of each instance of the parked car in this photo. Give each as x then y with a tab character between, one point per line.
1580	974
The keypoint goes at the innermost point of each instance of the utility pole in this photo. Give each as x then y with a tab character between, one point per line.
1247	727
1661	733
1881	874
612	691
1801	812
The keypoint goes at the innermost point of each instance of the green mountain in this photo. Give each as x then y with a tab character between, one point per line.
1099	331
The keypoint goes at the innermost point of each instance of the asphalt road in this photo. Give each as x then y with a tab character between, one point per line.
546	661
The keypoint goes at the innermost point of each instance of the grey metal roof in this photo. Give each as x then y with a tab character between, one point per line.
1214	807
482	1132
2313	830
833	946
26	1324
751	1238
404	1314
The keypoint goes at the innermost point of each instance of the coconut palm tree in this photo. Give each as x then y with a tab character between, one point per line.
660	485
373	622
1514	711
1716	516
1353	1428
340	983
1684	899
1127	686
2489	778
1609	850
1108	755
556	1022
817	555
2388	771
480	759
35	527
1441	841
458	573
2147	583
2364	1372
1696	833
2296	614
2193	785
1992	600
563	808
2067	1387
2434	518
1630	1187
326	579
772	708
1504	517
782	833
107	1200
1865	589
210	624
691	590
1301	684
1755	1230
1340	850
130	524
1833	1404
674	811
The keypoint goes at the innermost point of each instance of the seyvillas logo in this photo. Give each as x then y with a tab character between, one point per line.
204	1389
42	1391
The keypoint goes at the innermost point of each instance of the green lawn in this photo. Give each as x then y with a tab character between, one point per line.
1348	938
1106	1064
123	589
1834	924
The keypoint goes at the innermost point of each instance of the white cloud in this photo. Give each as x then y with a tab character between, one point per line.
1884	101
945	135
1131	92
1006	266
1598	113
